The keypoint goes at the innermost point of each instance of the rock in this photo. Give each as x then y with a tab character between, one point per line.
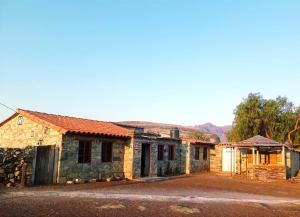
11	175
69	183
12	180
8	185
17	173
2	170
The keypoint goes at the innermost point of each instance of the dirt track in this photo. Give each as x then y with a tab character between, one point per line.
198	195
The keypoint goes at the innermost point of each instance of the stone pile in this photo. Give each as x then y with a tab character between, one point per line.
15	166
268	173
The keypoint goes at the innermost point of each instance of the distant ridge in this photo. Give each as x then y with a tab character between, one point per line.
164	129
220	131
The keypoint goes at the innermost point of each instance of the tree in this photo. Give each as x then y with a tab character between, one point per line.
271	118
247	121
292	137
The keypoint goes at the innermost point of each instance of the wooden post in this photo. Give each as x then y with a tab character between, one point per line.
284	160
253	158
231	150
257	157
283	155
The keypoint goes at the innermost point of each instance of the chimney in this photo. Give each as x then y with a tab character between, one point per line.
174	133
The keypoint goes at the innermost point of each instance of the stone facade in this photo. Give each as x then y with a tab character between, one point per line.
164	167
29	133
19	132
193	165
70	169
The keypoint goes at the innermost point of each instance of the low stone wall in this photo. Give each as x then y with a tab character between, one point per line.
15	166
268	173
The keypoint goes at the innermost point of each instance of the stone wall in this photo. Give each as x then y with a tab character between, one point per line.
293	163
201	164
29	133
216	159
268	173
167	167
157	168
70	169
15	166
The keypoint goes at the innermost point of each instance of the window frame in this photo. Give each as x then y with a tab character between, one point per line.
160	152
105	156
171	151
197	153
85	152
205	153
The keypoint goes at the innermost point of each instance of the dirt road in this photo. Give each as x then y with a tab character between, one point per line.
197	195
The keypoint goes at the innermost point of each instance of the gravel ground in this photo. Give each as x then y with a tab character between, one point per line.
197	195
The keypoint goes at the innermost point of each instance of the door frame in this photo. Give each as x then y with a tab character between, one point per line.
147	159
55	150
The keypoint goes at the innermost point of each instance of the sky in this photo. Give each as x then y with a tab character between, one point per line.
180	62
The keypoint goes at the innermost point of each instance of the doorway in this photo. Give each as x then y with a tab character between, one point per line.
44	166
227	160
145	164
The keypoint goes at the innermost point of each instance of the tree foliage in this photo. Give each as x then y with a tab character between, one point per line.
272	118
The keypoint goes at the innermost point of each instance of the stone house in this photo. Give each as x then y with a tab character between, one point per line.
256	158
67	148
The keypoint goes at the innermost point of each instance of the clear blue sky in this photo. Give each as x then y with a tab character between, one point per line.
184	62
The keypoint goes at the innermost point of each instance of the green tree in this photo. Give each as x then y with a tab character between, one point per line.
271	118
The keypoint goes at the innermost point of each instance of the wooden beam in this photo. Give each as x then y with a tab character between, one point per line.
253	157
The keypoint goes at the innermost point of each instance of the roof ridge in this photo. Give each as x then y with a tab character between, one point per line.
65	116
74	124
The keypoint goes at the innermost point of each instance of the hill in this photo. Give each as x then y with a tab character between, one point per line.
164	129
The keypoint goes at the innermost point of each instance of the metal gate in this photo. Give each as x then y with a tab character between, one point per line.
44	166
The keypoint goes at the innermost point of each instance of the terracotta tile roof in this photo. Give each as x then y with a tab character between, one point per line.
65	124
256	141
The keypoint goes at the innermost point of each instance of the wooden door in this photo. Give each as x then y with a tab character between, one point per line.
44	166
227	160
145	158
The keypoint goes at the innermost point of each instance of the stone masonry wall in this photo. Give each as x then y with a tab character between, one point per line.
201	164
216	159
70	169
15	163
157	168
167	167
29	133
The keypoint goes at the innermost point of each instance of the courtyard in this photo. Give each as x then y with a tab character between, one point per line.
201	194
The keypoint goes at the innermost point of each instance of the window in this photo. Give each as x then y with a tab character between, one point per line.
205	153
171	152
106	154
197	153
20	120
160	154
85	152
46	130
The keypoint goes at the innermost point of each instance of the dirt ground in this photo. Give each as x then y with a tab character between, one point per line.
196	195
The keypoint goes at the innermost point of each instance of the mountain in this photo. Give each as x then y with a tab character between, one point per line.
164	129
218	130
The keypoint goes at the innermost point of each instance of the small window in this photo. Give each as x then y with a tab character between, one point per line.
46	130
85	152
32	133
106	154
20	120
160	154
197	153
171	152
205	153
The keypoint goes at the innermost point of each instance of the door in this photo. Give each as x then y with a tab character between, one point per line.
227	160
145	164
44	166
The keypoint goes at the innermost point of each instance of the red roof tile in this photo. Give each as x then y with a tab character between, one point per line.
67	124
